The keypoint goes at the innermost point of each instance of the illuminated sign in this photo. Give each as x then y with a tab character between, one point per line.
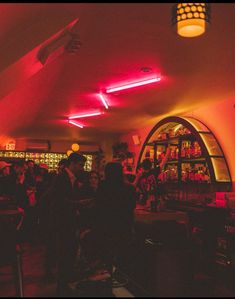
10	146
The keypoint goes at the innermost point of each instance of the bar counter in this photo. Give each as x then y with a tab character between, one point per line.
143	214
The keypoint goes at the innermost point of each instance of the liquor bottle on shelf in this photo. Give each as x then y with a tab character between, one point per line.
197	176
181	131
206	176
192	175
188	151
172	154
185	172
184	176
176	153
172	172
164	135
183	153
192	150
196	149
171	133
199	151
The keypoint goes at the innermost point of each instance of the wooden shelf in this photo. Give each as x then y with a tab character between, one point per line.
168	140
172	161
199	159
185	160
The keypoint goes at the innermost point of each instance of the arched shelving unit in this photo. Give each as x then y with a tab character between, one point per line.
196	164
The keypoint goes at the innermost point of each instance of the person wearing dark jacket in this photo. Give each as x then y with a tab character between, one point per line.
87	199
5	179
115	204
65	197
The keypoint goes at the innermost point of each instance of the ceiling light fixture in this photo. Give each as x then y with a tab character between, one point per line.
131	85
85	115
75	124
191	19
75	147
103	100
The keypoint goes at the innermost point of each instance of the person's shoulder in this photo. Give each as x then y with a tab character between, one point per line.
129	186
155	170
62	174
61	177
83	177
143	175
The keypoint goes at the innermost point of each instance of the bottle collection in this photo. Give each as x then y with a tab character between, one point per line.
191	171
190	149
194	173
173	132
186	161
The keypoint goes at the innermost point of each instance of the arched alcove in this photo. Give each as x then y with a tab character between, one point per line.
196	160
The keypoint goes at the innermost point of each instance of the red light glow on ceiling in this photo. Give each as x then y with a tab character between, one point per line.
103	100
85	115
132	85
75	124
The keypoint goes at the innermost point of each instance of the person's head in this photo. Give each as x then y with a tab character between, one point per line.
114	172
19	167
30	189
43	169
30	164
76	163
62	164
146	164
93	179
4	168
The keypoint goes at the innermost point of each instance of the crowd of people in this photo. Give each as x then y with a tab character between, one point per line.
73	211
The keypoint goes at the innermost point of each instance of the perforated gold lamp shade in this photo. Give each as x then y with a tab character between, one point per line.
191	19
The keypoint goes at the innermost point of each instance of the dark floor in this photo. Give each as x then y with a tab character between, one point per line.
33	275
35	285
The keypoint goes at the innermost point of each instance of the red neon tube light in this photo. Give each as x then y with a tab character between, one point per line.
131	85
85	115
103	101
75	124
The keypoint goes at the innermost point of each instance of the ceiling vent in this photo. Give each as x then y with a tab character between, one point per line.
35	145
73	44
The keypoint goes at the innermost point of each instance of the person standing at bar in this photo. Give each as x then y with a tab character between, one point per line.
30	173
147	179
65	194
115	204
61	165
5	179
